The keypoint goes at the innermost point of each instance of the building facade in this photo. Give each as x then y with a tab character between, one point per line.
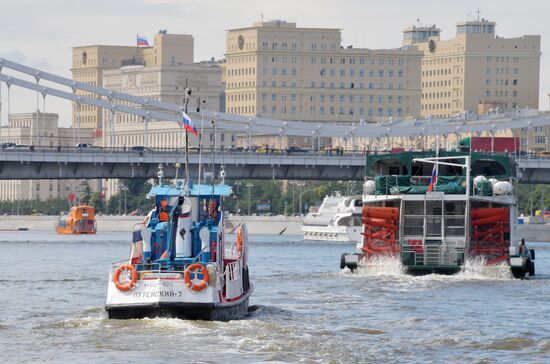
277	70
476	70
89	63
165	84
41	130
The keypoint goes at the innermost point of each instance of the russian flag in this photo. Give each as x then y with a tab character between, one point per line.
141	41
433	181
188	124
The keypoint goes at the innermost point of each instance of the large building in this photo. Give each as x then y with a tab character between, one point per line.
41	130
166	84
476	70
277	70
89	63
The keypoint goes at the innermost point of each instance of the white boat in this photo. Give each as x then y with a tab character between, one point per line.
337	219
180	264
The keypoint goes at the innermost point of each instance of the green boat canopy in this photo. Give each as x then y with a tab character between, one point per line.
481	163
466	142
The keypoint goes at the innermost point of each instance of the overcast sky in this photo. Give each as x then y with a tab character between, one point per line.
41	33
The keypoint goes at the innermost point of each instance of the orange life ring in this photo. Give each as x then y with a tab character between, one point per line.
131	284
240	240
196	287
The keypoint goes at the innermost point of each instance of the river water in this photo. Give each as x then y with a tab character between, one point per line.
304	309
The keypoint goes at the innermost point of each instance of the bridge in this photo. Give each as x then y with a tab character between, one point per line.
44	163
70	163
49	163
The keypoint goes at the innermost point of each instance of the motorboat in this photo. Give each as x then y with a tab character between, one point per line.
79	220
337	219
180	264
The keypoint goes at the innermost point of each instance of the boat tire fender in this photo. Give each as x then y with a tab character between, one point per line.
343	261
196	287
531	267
126	286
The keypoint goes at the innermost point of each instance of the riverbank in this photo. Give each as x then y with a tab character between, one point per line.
273	225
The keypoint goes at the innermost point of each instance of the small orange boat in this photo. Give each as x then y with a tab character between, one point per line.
80	220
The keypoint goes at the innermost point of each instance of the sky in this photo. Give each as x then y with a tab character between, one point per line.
41	33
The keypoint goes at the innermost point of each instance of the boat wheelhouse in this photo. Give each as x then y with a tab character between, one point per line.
434	212
180	264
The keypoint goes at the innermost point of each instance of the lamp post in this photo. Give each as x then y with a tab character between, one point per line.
237	184
249	185
122	188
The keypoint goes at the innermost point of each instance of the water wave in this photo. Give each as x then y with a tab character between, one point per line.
477	268
511	343
382	265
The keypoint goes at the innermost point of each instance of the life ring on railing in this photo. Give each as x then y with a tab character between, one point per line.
212	209
196	287
240	240
127	286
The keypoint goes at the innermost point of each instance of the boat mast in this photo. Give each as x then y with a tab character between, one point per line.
186	102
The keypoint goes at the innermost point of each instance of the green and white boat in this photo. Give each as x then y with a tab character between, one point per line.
435	211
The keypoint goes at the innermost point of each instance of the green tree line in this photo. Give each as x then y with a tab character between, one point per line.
278	194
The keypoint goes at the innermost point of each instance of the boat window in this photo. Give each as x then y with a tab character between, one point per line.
393	170
414	208
454	226
417	170
433	208
487	168
455	207
413	225
433	226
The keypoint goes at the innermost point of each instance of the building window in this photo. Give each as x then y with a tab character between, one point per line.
538	140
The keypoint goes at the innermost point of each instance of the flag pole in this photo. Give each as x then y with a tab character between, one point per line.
187	96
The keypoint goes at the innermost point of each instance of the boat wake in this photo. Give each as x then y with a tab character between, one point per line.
477	268
382	266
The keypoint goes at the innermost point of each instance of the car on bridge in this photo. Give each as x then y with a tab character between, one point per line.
86	146
20	147
6	145
296	150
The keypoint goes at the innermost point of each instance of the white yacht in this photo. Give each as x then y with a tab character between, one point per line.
338	219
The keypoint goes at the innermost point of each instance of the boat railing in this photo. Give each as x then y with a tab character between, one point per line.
233	281
431	254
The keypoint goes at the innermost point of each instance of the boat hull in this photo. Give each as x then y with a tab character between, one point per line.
333	233
226	311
